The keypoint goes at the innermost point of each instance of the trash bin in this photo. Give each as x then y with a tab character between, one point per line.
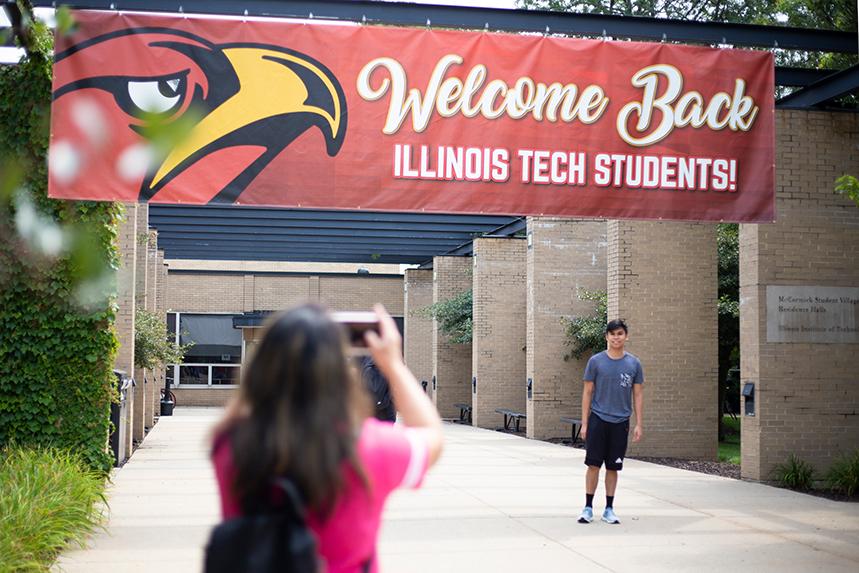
119	419
167	402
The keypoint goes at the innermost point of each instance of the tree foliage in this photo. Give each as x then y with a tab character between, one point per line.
820	14
586	334
728	245
848	186
710	10
56	356
154	347
453	316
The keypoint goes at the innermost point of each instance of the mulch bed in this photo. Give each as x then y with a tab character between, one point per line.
723	469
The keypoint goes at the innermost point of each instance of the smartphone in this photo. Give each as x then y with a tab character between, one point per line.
356	325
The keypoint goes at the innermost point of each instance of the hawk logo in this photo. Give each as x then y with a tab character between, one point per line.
248	103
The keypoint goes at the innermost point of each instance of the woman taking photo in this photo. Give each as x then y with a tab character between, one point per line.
302	413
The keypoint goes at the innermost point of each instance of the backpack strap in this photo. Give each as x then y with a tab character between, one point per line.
293	501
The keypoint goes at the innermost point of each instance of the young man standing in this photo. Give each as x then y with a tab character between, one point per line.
613	384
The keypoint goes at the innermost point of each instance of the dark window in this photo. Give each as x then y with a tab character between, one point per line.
215	340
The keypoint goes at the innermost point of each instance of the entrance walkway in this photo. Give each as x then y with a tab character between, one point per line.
496	503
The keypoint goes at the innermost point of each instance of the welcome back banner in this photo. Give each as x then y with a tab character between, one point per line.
395	119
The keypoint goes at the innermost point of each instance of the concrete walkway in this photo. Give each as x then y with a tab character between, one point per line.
495	503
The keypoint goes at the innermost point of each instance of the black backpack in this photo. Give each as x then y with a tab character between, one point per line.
277	540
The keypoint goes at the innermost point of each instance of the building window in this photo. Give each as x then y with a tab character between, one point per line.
216	357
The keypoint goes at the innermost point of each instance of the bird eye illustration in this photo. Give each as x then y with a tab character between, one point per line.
153	96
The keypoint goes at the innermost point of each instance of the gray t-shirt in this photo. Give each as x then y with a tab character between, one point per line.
613	380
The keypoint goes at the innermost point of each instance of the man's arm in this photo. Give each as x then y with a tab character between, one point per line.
638	404
587	396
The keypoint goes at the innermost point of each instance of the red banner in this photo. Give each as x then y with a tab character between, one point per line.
266	112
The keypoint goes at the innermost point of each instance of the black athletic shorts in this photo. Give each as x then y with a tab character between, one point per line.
606	442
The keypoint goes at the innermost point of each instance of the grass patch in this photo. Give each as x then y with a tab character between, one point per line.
843	476
729	449
49	500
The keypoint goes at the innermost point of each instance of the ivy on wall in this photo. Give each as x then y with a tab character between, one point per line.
56	356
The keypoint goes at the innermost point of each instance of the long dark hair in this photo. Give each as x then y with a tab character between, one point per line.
299	412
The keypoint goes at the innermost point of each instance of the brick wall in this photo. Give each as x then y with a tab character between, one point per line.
152	272
161	306
141	301
227	292
203	396
806	395
662	280
499	316
417	339
451	362
339	292
563	256
125	302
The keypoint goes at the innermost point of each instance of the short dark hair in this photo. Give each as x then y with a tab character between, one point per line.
615	324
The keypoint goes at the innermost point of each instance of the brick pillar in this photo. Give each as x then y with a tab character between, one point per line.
806	392
563	255
662	280
313	289
141	296
161	304
451	362
248	298
417	339
125	302
499	317
152	306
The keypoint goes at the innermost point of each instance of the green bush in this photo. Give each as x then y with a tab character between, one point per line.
453	316
57	343
794	474
154	347
49	501
586	334
843	476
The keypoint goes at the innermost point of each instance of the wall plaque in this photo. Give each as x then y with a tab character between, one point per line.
817	314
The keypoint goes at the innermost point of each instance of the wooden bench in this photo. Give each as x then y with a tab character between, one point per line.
576	427
509	417
464	412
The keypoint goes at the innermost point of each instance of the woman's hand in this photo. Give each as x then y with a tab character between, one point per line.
387	346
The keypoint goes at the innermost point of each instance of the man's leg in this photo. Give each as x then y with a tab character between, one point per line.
614	463
592	478
610	482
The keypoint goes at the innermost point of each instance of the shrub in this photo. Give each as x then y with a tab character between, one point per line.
794	474
586	334
453	316
50	500
843	476
153	345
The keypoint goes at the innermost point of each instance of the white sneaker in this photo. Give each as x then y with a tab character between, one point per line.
609	517
587	515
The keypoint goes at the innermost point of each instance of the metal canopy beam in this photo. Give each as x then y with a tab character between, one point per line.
260	233
837	85
800	77
462	17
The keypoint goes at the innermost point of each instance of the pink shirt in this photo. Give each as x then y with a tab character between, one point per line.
392	456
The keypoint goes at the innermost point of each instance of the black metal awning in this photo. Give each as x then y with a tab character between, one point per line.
267	234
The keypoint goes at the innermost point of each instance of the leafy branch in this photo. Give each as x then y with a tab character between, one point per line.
453	316
586	334
153	345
